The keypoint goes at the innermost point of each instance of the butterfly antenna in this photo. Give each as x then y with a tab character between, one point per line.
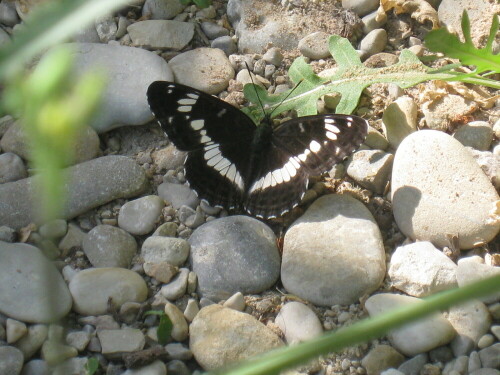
256	93
286	97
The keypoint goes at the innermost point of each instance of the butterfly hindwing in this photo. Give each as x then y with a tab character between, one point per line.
319	142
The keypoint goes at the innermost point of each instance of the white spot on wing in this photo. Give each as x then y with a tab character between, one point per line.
314	146
205	139
332	128
331	136
213	160
301	127
186	101
222	112
184	108
197	124
211	153
193	95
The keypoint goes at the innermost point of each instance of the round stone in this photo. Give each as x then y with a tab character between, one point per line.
475	134
11	167
298	323
217	324
435	177
140	215
399	120
93	288
234	254
108	246
32	289
315	45
157	249
334	253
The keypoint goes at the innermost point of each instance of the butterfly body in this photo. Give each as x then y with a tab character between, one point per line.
235	164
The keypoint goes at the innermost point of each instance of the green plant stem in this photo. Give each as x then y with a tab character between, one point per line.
50	24
280	359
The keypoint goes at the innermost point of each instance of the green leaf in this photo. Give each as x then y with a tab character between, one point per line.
349	79
164	329
202	3
91	366
441	40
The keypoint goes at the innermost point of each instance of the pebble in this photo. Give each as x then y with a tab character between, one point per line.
177	367
108	246
178	351
496	331
123	23
11	360
489	162
474	362
161	9
167	229
71	366
8	14
78	340
315	45
158	249
440	112
168	158
234	254
4	38
127	179
54	229
415	338
490	356
206	69
380	358
7	234
36	367
93	287
161	271
106	28
380	60
236	302
139	216
226	44
475	134
298	323
273	56
73	238
217	324
374	42
472	269
360	7
375	140
213	31
27	278
54	352
155	368
176	288
11	167
180	329
161	34
130	107
178	195
324	262
371	169
87	34
485	371
370	22
471	321
413	365
33	340
399	120
421	199
15	330
191	310
419	269
442	354
118	341
485	341
15	141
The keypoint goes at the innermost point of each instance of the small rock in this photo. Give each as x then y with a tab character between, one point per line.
370	22
54	352
161	34
118	341
380	358
11	360
7	234
54	229
79	340
108	246
11	166
168	229
414	338
419	269
226	44
215	323
360	7
178	351
485	341
213	31
177	287
191	310
158	249
235	302
155	368
205	69
399	120
73	238
36	367
93	287
30	343
15	330
472	269
371	169
439	113
490	356
178	195
375	140
273	56
180	329
414	365
161	9
139	216
476	134
161	271
315	45
8	14
298	323
374	42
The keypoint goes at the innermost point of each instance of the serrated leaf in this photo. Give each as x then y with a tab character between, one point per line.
350	79
483	59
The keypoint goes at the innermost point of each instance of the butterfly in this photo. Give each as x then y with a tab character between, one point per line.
233	163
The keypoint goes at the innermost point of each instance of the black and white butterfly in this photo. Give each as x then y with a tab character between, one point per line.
235	164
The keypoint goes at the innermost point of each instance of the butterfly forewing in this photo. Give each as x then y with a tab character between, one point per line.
232	164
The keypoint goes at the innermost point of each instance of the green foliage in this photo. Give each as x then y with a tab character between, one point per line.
441	40
53	108
199	3
165	326
91	366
